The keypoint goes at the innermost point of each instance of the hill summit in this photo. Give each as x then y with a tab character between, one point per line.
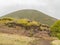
33	15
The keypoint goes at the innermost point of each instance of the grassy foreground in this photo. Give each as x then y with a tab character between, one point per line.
9	39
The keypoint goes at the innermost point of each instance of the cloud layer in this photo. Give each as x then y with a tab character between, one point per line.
50	7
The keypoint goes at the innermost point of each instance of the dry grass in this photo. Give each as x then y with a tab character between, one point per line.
9	39
56	42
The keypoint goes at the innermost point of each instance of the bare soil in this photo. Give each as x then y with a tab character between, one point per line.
21	31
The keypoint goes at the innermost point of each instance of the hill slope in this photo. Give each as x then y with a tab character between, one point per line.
33	15
12	39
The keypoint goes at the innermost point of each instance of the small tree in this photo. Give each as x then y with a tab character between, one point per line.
55	29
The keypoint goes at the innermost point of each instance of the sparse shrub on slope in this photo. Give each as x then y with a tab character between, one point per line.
6	20
44	27
55	29
27	27
23	22
27	22
33	23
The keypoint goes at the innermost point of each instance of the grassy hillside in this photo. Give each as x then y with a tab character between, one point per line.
24	27
33	15
23	32
12	39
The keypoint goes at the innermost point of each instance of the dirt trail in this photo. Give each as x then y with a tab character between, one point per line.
41	42
45	42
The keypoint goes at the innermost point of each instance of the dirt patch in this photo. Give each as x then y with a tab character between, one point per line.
22	31
30	33
41	42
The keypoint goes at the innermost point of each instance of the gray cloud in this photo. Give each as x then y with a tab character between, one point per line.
50	7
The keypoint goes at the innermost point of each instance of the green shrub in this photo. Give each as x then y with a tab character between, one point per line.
55	29
22	21
6	20
33	23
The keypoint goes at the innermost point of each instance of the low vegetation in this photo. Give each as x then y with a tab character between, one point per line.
31	28
55	42
55	29
10	39
6	20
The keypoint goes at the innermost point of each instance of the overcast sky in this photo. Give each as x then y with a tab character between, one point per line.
50	7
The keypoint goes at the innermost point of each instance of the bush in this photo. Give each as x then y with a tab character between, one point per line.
6	20
55	29
33	23
22	21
